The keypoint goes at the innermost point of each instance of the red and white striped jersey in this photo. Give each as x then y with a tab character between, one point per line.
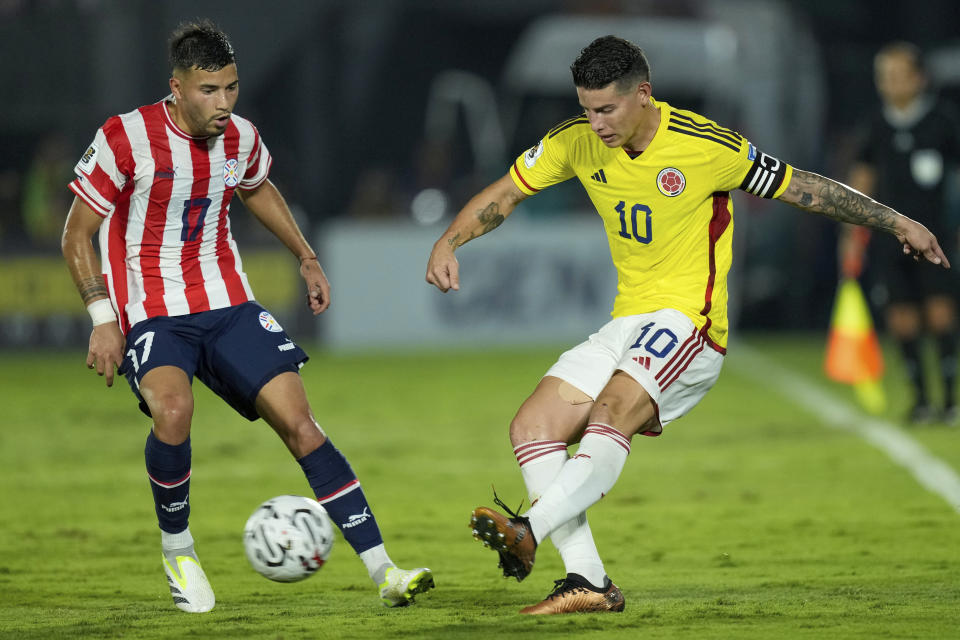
165	244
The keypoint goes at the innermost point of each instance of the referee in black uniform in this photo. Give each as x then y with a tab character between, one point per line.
907	149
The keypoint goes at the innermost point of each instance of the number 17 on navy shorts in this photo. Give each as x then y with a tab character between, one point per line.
235	351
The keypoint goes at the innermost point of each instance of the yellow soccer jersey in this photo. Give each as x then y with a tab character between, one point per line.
667	212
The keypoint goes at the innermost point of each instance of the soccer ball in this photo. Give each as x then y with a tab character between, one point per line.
288	538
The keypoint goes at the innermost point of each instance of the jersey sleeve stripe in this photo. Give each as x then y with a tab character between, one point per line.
566	122
99	183
254	156
259	163
733	135
705	137
516	170
707	130
77	187
566	126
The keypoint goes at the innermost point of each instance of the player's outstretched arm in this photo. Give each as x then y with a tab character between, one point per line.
484	212
106	340
817	194
269	207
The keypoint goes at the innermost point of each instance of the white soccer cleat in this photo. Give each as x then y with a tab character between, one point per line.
189	586
400	586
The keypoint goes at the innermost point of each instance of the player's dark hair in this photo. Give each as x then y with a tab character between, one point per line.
610	59
904	48
200	44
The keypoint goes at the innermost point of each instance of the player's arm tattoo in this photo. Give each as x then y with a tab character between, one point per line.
92	289
490	217
817	194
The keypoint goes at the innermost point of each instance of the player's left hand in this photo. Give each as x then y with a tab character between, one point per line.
918	241
318	287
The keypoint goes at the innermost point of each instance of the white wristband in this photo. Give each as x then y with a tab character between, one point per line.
101	311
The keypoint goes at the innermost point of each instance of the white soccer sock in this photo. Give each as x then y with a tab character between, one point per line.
175	541
540	461
376	560
584	479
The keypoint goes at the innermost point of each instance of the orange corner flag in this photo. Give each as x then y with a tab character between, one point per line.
853	351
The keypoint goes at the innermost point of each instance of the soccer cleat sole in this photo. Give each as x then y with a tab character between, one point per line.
486	531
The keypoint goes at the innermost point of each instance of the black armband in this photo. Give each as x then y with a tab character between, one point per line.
765	176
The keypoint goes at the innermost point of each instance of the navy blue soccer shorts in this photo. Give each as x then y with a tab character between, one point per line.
234	351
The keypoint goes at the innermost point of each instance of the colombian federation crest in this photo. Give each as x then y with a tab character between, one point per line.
231	175
269	323
671	182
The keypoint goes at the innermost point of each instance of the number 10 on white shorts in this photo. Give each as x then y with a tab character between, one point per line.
661	350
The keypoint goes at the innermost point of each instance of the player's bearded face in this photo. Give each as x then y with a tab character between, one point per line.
205	99
614	116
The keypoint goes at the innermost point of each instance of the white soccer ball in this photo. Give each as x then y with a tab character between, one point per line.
288	538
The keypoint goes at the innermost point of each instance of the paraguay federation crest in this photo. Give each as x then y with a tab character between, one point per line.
231	175
671	182
269	323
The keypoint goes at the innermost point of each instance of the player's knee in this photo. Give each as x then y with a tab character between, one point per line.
172	410
528	426
626	414
520	431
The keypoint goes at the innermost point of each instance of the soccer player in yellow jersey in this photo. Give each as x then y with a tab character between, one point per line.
660	179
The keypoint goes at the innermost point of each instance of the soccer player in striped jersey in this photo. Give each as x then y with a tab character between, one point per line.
171	300
660	179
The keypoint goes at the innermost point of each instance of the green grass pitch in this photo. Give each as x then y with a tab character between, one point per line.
748	519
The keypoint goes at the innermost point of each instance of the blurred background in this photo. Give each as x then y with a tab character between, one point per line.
385	116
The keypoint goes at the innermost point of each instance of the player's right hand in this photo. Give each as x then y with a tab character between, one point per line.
106	350
443	270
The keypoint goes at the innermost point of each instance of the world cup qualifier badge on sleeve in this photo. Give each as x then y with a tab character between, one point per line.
89	159
531	156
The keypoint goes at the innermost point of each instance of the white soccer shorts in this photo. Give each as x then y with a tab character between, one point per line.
661	350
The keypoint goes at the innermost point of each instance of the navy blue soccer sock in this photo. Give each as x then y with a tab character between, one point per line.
168	467
339	492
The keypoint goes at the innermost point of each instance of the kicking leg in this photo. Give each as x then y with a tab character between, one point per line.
282	402
622	409
550	419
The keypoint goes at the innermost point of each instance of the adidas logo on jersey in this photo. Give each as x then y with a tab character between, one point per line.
599	177
643	361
